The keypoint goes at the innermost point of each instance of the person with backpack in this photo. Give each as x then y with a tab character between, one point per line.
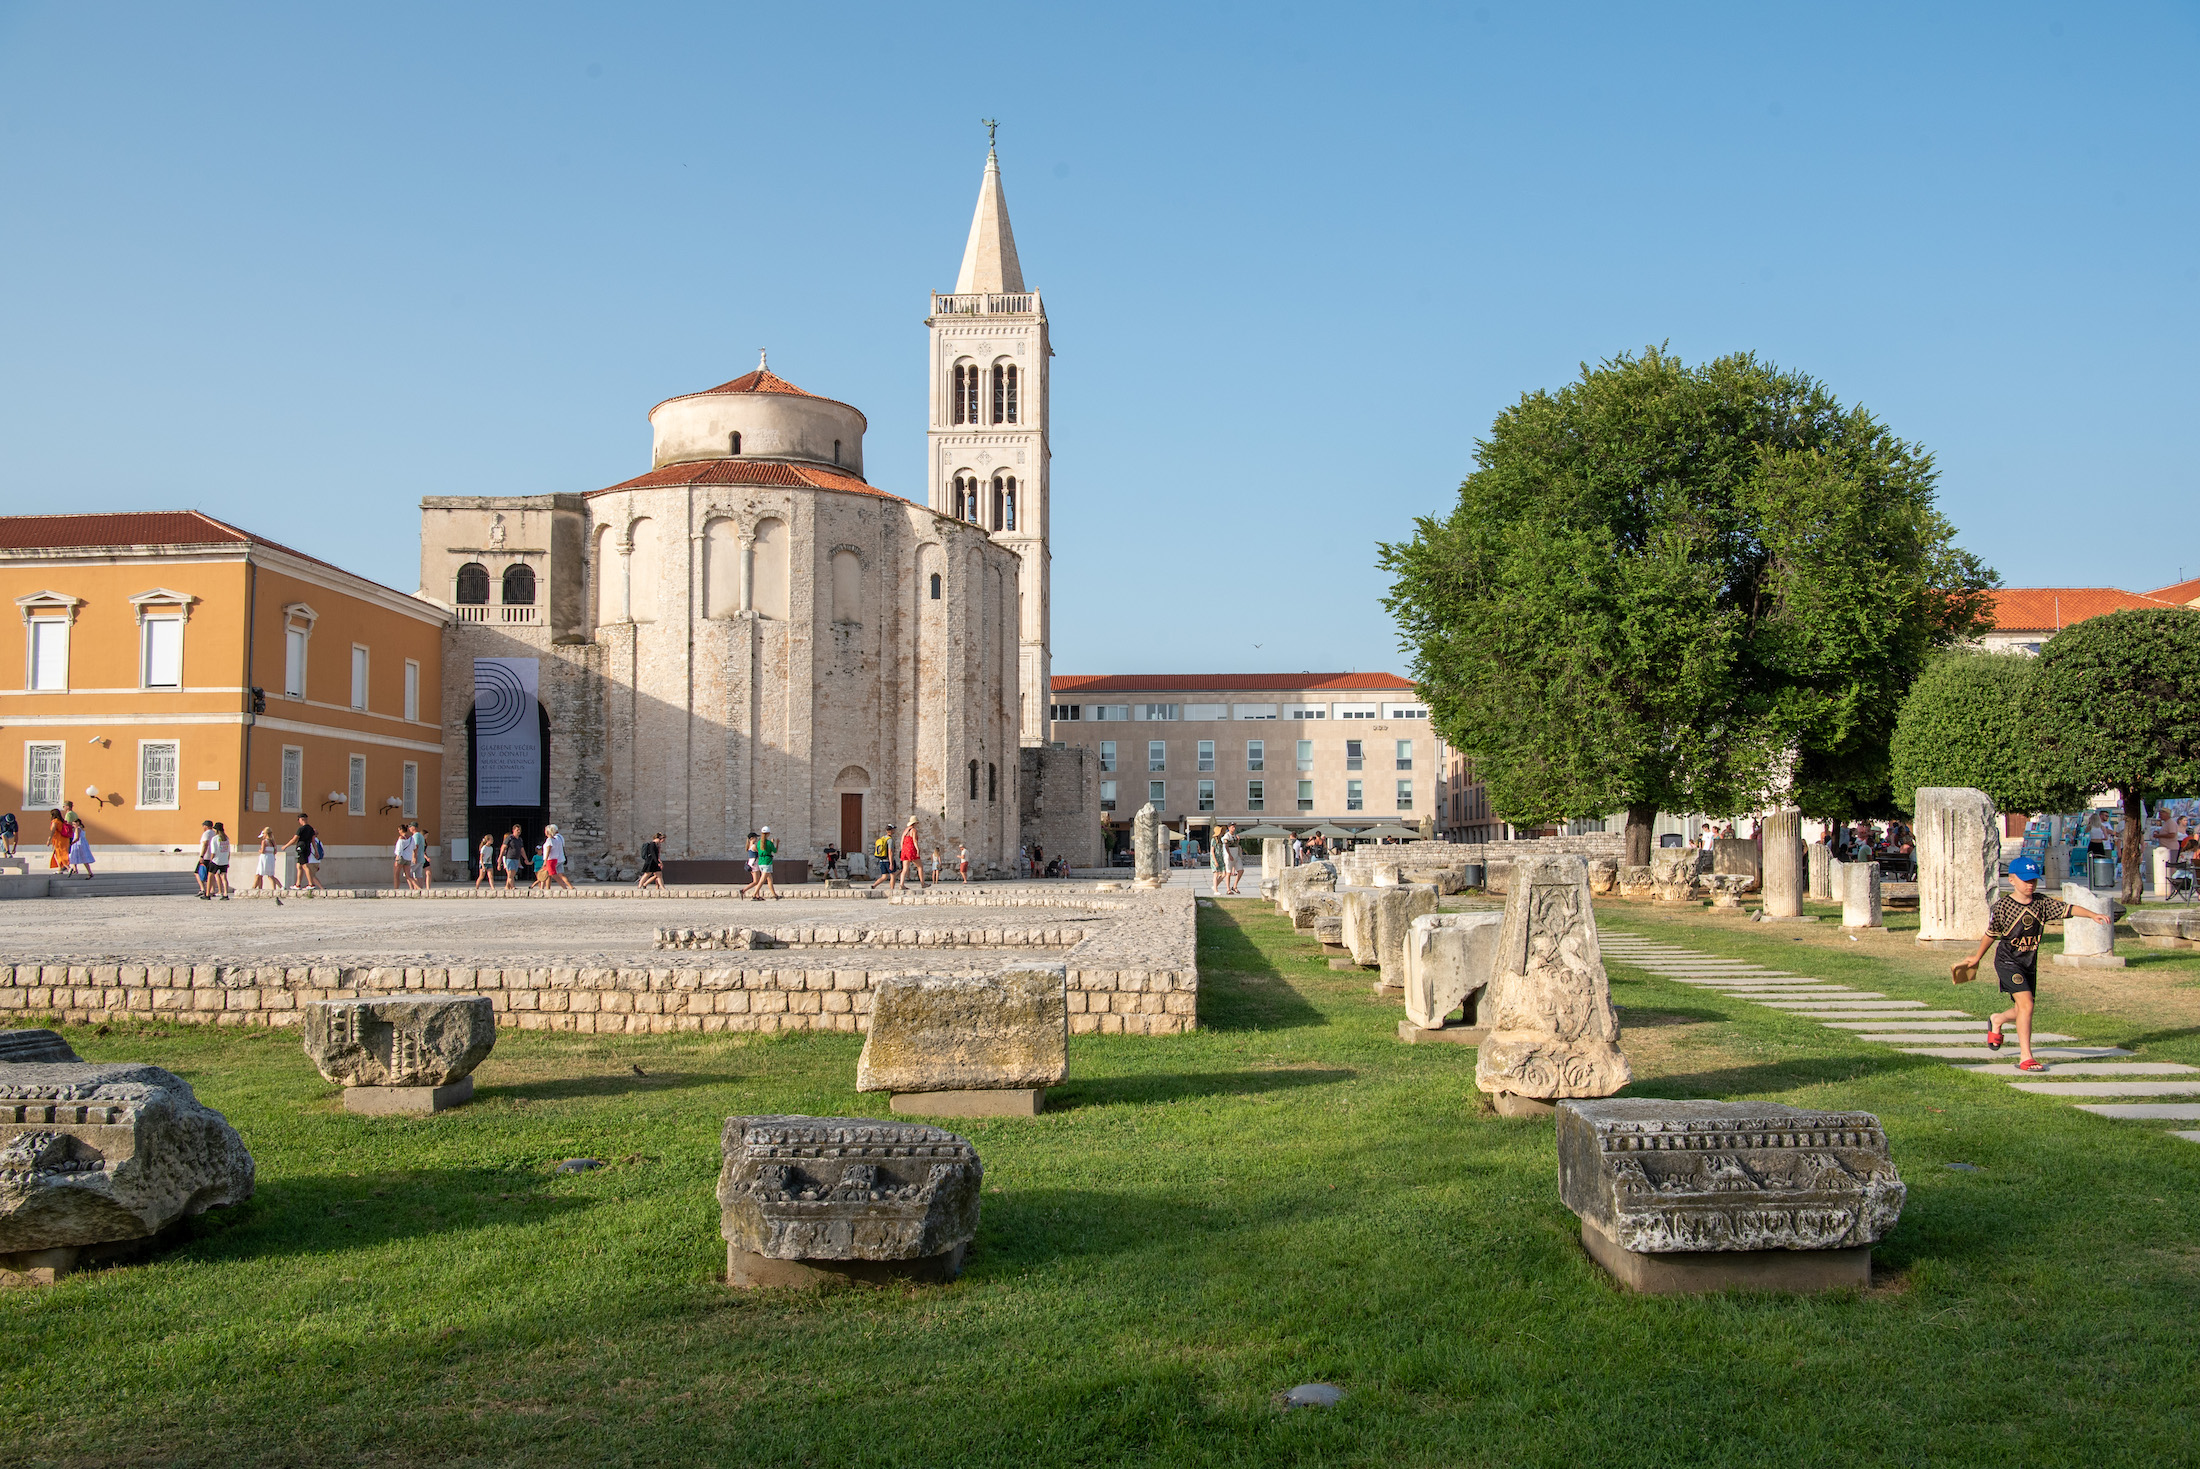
653	863
8	833
301	855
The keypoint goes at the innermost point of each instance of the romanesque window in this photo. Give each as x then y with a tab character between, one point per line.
847	586
1013	413
519	585
722	552
997	492
836	451
1004	394
966	393
644	571
734	444
935	586
992	781
1008	520
973	780
473	584
768	581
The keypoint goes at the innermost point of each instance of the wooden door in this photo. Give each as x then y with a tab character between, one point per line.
851	823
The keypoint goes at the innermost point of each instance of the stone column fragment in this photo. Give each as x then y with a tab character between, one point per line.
1860	900
2087	944
1958	864
1781	834
1819	857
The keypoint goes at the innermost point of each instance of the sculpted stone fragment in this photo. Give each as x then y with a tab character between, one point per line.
1449	958
34	1045
968	1045
1673	873
1306	878
396	1054
95	1154
1553	1032
1636	881
1147	871
1311	906
1726	888
804	1199
1603	875
1678	1196
1818	858
1958	864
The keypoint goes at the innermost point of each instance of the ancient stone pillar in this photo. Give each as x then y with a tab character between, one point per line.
1143	847
1553	1032
1782	836
1275	855
1738	855
1819	856
2086	944
1860	903
1958	865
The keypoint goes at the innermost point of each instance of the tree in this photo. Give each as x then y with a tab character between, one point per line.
2119	709
1967	722
1678	588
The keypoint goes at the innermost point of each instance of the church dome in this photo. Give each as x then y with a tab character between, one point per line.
759	415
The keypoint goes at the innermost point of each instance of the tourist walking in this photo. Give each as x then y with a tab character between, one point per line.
766	850
485	862
8	831
750	888
301	855
512	852
423	858
80	853
882	857
263	871
222	889
2019	921
908	856
59	834
553	856
401	866
204	868
653	863
962	862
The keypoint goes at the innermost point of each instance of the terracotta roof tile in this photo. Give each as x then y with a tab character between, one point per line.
763	380
2050	609
2184	593
748	472
142	528
1236	683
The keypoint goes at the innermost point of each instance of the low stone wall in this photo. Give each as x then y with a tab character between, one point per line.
825	936
461	892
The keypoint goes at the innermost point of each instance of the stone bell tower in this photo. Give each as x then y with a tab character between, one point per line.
988	435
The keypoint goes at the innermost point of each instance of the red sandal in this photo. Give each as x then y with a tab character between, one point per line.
1993	1037
2031	1063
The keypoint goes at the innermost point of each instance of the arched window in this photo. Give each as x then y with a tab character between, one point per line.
973	780
722	552
836	451
996	502
734	444
768	570
519	585
847	586
644	570
966	392
992	781
1008	517
473	584
1013	415
958	497
935	586
1004	394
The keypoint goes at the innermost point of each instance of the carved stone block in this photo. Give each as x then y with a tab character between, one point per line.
836	1194
33	1046
1673	874
939	1033
400	1040
1553	1032
1449	958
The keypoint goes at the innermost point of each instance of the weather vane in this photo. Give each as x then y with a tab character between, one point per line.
990	125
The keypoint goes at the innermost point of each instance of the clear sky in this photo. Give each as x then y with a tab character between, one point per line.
300	265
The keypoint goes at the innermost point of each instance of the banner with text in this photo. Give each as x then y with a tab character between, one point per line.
507	733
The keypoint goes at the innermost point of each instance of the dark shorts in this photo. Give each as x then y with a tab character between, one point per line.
2018	976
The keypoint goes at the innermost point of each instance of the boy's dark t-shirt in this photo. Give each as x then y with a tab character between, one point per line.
2021	926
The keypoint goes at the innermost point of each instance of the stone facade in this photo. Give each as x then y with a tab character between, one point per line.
1060	802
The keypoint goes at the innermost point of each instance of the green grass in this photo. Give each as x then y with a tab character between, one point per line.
1287	1196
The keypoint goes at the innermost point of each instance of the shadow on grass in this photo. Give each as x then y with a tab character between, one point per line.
1025	1227
1240	987
1182	1085
2153	1037
320	1214
1633	1018
1779	1076
552	1089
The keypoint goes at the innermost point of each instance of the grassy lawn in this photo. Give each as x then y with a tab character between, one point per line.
1288	1195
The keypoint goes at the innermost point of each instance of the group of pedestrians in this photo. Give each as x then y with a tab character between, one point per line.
510	855
410	865
901	861
1227	854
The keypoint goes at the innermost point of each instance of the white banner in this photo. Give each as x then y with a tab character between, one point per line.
507	733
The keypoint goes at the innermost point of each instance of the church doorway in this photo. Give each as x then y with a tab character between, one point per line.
495	821
851	822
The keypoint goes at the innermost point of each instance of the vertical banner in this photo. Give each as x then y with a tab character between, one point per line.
507	733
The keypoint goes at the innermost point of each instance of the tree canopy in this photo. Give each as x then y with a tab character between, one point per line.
1681	588
1967	721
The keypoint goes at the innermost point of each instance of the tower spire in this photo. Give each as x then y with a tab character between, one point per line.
989	263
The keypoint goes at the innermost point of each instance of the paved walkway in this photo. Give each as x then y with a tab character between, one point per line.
2075	1070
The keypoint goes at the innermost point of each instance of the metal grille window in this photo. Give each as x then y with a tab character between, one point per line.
1107	756
1306	754
42	775
409	792
1353	759
1405	795
157	773
1256	795
294	779
1256	754
473	585
356	791
1206	754
1206	795
1157	754
1405	754
1306	795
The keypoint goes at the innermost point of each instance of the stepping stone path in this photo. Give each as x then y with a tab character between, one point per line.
1917	1030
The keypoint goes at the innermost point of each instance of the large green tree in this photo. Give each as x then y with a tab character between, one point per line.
1681	588
1967	721
2118	709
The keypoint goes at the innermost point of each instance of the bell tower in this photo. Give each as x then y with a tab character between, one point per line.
987	461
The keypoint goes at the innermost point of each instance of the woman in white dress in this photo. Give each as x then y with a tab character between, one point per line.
263	872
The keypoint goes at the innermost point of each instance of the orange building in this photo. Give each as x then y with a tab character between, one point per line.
175	669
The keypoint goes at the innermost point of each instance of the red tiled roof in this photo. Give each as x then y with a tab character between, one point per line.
105	530
2184	593
762	380
2050	609
1236	683
748	472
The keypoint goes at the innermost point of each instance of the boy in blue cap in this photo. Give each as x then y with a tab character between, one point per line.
2019	921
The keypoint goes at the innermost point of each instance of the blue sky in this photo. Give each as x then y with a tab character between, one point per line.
300	265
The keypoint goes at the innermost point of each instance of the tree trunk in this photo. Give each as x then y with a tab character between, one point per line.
2131	845
1642	816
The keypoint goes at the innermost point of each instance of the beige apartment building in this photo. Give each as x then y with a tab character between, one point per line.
1353	750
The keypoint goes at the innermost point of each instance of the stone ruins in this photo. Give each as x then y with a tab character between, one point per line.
976	1046
402	1053
2087	944
1673	873
1785	875
1818	857
1553	1032
1861	904
1375	924
1958	865
1449	958
1696	1196
99	1158
803	1200
1149	855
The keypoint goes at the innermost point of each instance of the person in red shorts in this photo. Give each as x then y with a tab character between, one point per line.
2019	921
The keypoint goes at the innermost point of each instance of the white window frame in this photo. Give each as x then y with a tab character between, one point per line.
1405	794
1097	712
1355	798
1306	795
298	620
1306	711
1256	754
175	796
1207	755
1107	757
1256	795
1157	756
1404	751
291	790
60	774
1355	754
409	791
412	692
1405	711
1157	713
1206	711
1107	795
1254	711
1306	754
355	789
1206	795
1356	711
32	628
146	623
362	671
1157	792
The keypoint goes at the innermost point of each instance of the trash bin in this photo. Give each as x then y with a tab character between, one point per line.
2100	873
1476	874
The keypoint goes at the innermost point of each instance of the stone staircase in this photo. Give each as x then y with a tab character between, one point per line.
122	885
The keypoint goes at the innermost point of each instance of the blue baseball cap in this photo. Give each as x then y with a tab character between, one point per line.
2025	869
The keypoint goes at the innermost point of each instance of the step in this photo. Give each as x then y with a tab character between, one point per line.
2111	1088
2044	1053
123	885
1845	1006
2092	1068
1927	1037
1901	1017
2147	1112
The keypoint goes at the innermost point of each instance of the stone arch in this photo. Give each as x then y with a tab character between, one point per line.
721	567
608	580
645	570
769	578
847	584
852	778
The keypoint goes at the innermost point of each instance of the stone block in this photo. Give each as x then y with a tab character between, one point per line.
1958	864
1662	1186
1553	1032
1737	855
832	1194
1636	881
1673	874
1784	876
1861	902
407	1101
400	1040
1449	958
97	1152
1464	1035
1027	1101
1726	888
2083	937
1000	1031
1603	875
1818	862
41	1047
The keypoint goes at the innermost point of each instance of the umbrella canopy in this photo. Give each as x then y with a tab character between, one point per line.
1326	830
1259	833
1391	833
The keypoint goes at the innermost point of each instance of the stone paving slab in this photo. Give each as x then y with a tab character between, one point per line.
2092	1068
1928	1037
1882	1017
1841	1006
2190	1137
1911	1022
2044	1053
2110	1088
2147	1112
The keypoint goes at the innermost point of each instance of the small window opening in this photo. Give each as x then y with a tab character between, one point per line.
992	781
973	780
519	585
734	444
935	586
473	584
836	451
